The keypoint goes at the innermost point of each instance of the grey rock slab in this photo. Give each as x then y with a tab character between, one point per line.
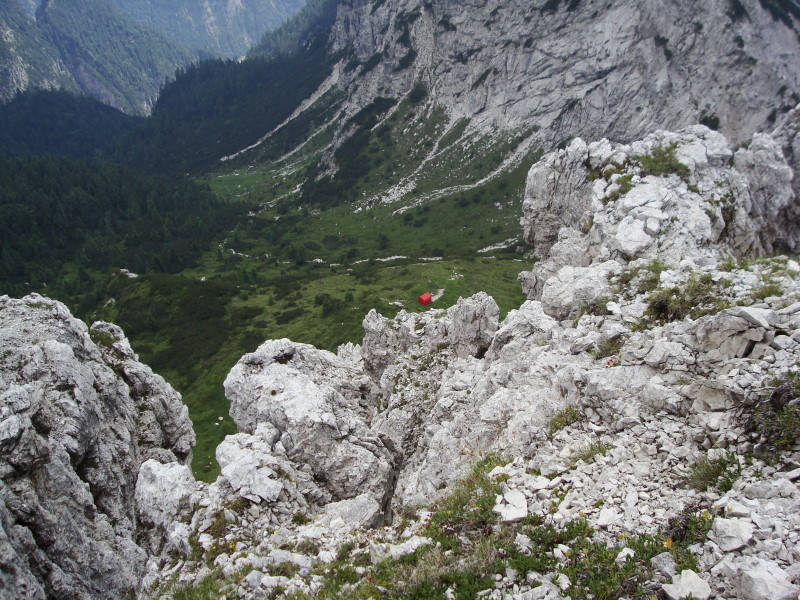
512	506
163	492
361	511
380	552
688	584
731	534
664	563
764	580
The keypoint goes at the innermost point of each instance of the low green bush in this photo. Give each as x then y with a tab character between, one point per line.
662	161
562	419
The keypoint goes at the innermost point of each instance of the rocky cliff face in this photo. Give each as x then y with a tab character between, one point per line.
122	52
78	416
218	27
588	68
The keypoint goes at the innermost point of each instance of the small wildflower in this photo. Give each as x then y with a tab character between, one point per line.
668	543
304	572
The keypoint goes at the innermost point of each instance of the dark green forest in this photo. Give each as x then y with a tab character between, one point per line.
86	191
61	218
215	108
60	123
117	60
287	40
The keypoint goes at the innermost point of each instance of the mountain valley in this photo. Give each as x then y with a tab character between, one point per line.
602	198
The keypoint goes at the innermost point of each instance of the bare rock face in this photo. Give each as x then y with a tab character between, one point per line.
342	419
674	197
69	429
618	70
471	325
162	420
311	399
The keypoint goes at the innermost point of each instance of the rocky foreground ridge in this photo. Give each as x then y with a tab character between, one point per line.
78	415
633	423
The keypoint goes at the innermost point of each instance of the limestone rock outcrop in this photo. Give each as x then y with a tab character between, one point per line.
78	416
310	400
671	197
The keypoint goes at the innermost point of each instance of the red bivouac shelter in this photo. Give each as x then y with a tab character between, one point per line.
425	299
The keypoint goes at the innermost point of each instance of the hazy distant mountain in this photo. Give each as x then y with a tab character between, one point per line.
121	51
219	27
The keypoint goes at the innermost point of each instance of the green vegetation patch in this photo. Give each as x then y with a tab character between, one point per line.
662	161
699	295
638	280
587	451
777	420
471	546
563	419
193	331
719	472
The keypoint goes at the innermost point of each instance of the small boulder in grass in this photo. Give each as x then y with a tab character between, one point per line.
511	506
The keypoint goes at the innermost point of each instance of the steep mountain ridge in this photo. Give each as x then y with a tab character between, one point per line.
590	68
93	47
226	28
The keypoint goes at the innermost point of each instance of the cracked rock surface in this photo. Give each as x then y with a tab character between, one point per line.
78	416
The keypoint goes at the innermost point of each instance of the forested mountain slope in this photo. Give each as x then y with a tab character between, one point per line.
91	47
121	52
60	123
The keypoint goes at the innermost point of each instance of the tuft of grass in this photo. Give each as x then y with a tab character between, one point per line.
708	473
300	518
625	186
696	297
589	450
639	280
210	587
609	347
777	421
562	419
468	508
767	289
